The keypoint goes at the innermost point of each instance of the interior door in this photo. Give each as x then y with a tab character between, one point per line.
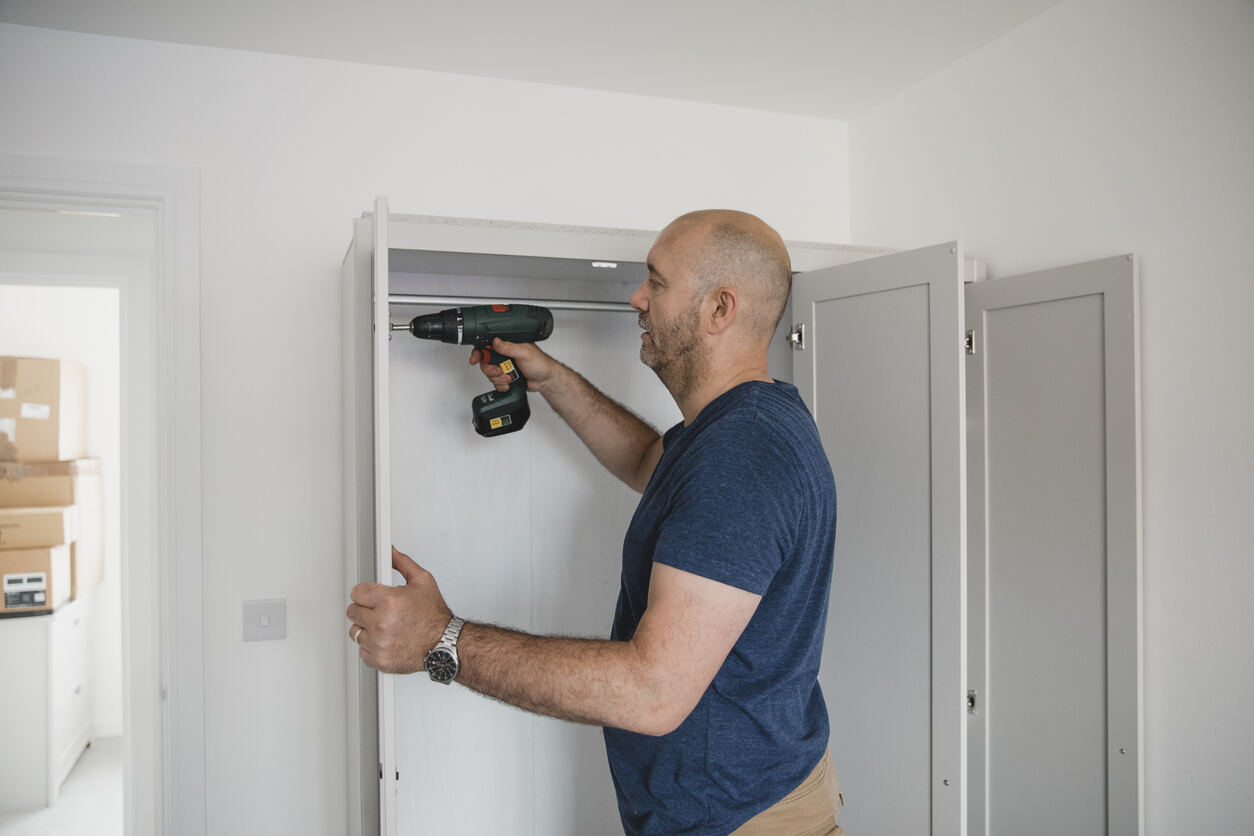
880	365
1054	552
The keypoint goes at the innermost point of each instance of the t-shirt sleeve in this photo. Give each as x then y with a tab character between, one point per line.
732	517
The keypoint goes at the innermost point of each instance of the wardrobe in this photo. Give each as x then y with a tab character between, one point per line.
982	655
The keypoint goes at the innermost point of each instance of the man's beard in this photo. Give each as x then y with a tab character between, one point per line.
673	351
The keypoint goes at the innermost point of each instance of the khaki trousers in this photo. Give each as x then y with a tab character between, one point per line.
809	810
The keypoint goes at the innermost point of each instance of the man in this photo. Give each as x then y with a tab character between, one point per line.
707	689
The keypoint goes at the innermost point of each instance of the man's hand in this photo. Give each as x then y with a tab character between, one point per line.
534	364
397	625
622	442
648	684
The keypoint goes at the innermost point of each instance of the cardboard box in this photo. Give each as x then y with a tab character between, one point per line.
45	484
34	581
37	528
43	410
41	484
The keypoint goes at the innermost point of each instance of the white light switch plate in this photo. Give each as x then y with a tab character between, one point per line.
265	620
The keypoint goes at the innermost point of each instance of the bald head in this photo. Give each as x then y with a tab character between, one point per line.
736	249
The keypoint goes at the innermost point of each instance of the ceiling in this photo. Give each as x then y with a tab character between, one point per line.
824	58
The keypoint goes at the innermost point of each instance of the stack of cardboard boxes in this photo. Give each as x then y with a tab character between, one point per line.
51	533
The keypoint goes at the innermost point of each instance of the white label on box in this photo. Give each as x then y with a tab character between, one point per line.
8	426
29	589
36	411
8	394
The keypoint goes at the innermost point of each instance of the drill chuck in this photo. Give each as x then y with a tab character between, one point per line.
445	326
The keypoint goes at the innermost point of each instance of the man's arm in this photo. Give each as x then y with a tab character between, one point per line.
622	442
648	684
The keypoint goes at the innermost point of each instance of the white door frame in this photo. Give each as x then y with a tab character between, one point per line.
163	624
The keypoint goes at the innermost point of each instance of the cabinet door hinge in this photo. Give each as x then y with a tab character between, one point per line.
797	337
969	343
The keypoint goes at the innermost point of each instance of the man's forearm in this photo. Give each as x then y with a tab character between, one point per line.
604	683
619	439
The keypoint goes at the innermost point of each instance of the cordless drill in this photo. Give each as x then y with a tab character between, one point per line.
493	413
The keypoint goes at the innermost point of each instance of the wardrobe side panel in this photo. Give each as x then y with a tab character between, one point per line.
359	527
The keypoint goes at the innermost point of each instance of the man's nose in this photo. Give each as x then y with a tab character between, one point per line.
639	299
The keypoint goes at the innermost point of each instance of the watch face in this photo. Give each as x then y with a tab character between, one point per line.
441	665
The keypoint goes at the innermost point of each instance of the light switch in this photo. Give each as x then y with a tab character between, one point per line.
265	620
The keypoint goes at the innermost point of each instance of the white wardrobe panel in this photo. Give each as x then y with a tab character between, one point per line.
455	510
525	531
361	693
577	555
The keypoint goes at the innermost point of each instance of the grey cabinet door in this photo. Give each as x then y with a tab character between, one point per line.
882	371
1054	566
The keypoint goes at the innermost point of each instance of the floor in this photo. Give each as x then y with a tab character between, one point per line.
90	803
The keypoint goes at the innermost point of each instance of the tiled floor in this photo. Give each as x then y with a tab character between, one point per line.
90	803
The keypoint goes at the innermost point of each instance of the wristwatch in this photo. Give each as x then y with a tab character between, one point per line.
441	662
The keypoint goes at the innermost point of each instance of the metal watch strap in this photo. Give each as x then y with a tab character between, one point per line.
449	640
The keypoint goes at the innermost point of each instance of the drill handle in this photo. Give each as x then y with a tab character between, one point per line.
507	365
497	413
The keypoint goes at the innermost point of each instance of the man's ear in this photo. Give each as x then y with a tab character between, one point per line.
726	306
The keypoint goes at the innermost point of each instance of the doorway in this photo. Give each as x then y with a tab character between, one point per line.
80	325
157	290
70	310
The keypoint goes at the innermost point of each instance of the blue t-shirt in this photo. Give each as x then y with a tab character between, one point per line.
744	496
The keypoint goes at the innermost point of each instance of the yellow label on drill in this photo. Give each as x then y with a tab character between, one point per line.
508	367
495	423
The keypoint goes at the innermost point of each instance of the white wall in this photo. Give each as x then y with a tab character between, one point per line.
289	151
1103	127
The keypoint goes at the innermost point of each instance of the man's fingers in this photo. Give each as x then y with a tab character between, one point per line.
491	371
405	564
398	621
367	594
359	614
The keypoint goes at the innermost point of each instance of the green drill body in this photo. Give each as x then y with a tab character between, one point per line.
493	413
